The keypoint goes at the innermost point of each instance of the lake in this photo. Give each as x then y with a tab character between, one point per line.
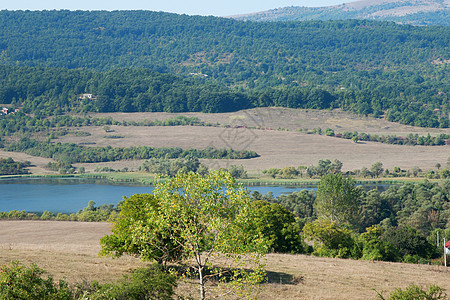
69	195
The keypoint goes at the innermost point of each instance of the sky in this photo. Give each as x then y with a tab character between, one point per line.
190	7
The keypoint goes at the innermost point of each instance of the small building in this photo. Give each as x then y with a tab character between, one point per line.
88	96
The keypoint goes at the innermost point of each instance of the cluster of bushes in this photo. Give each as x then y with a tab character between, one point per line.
398	224
170	167
18	281
323	167
397	244
21	123
376	170
410	139
10	167
91	213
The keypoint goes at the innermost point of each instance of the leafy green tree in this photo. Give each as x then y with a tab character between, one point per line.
377	169
201	217
410	243
374	248
337	198
279	227
330	238
136	232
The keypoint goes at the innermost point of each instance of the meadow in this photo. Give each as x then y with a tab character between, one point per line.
69	250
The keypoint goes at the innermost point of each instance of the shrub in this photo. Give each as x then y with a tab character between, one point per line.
414	292
144	283
20	282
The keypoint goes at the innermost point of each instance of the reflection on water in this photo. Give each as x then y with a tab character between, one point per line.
69	195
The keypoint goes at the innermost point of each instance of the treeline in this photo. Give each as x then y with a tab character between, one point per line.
73	153
326	166
90	213
411	139
10	167
58	125
364	66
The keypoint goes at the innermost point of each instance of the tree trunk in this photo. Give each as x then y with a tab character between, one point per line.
202	283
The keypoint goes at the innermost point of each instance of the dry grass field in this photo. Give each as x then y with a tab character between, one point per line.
69	250
277	148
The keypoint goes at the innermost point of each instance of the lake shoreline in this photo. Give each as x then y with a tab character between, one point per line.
150	179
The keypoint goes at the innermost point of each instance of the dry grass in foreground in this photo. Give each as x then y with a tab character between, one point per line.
69	250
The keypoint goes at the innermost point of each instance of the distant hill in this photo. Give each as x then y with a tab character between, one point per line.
414	12
369	67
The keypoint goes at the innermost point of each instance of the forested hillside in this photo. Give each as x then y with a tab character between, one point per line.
364	66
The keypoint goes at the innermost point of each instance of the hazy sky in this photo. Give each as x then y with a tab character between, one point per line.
190	7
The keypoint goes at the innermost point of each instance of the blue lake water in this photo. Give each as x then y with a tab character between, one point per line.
69	195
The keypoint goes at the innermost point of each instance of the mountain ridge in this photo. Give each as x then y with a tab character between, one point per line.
413	12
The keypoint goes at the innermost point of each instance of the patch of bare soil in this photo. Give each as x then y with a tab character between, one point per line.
69	250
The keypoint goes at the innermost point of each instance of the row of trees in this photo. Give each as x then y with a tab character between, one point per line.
73	153
411	139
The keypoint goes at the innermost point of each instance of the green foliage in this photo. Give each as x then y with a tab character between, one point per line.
143	283
10	167
324	167
72	153
363	66
337	198
330	239
374	248
170	167
410	243
189	218
136	232
237	171
414	292
21	282
279	227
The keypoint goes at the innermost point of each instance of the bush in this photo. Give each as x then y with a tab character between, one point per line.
331	239
144	283
414	292
20	282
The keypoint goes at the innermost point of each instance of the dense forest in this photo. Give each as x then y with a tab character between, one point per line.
368	67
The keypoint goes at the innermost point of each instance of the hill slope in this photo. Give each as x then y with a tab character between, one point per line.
364	66
414	12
